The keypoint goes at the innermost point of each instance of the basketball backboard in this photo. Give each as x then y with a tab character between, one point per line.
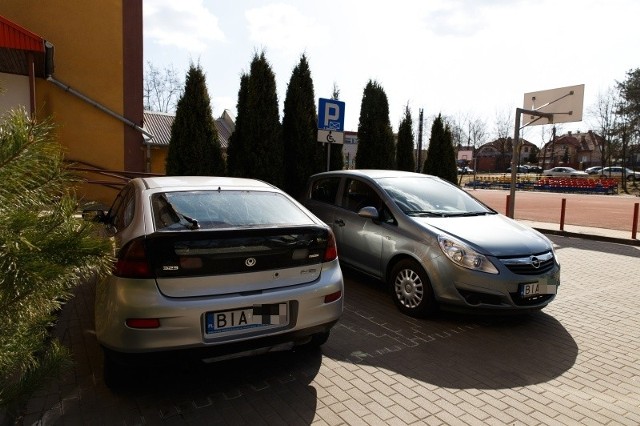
565	103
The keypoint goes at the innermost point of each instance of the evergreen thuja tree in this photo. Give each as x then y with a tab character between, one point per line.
194	147
405	147
441	159
299	130
450	168
236	148
45	252
376	148
263	149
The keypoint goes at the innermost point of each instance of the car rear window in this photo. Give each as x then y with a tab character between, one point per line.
224	209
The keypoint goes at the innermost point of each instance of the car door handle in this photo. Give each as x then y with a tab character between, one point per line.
339	222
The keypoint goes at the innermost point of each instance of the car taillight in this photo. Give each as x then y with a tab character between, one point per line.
332	297
143	322
132	261
331	251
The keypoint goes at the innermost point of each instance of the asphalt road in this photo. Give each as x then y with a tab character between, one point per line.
576	362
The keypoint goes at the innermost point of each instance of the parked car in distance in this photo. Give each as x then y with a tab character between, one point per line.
617	171
564	172
519	169
593	170
433	243
534	169
213	267
465	170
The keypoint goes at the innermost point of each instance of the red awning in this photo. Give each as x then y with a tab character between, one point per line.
13	36
20	47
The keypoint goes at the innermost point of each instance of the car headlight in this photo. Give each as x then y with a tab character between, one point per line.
463	255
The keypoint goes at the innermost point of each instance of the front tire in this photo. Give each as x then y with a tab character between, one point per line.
411	289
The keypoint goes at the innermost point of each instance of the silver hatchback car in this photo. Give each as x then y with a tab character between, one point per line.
223	267
433	243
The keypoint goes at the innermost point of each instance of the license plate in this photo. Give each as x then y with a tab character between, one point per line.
258	316
536	289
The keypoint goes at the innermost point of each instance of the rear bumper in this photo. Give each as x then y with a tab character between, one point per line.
216	353
182	320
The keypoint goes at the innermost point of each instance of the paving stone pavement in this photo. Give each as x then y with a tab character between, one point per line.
575	363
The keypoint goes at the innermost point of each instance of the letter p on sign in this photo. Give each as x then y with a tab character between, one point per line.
331	115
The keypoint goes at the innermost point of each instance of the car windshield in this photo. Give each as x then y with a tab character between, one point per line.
424	196
223	209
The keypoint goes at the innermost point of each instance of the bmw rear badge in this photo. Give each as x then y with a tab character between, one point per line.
250	261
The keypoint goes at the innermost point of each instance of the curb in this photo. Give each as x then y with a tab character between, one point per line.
626	241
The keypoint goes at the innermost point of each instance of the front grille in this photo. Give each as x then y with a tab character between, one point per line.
536	264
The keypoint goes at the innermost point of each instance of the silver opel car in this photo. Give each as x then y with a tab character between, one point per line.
213	267
433	243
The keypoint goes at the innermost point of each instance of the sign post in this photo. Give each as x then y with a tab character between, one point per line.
330	124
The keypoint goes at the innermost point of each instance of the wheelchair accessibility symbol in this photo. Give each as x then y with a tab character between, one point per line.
330	136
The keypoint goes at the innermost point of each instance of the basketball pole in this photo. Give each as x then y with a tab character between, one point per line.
516	153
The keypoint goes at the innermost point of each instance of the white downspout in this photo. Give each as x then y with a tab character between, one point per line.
101	107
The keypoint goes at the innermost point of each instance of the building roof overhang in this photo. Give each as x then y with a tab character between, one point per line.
19	48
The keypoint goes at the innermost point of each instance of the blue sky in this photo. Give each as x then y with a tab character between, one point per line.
461	58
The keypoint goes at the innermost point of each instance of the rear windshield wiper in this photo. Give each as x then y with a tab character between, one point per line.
193	223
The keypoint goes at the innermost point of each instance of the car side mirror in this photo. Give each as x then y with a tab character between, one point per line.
368	212
94	215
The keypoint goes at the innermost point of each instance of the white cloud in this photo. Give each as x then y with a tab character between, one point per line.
282	27
449	56
186	24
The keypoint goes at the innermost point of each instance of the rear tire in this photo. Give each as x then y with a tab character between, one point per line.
319	339
411	289
114	373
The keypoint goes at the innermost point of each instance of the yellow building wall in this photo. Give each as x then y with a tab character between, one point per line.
88	40
158	160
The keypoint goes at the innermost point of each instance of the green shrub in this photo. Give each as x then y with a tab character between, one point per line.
45	251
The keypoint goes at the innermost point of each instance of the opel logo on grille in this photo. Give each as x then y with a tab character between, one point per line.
535	262
250	261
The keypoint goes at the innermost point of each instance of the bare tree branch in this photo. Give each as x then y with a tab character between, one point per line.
161	88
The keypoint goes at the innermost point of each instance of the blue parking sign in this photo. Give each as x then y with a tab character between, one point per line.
331	115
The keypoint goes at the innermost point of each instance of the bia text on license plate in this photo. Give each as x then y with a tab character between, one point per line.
535	289
268	315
